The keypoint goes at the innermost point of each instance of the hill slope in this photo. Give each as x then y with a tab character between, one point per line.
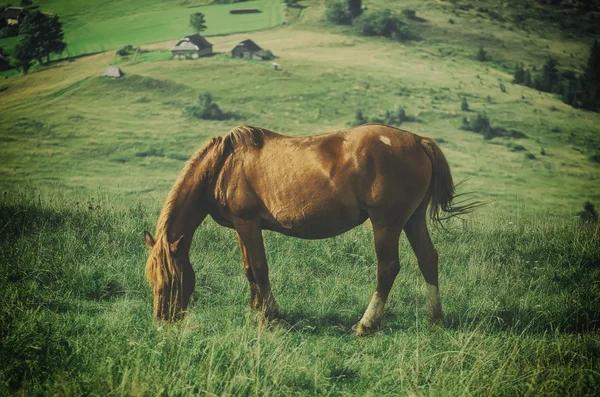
90	129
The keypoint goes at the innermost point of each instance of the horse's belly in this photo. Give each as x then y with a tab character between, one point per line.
314	221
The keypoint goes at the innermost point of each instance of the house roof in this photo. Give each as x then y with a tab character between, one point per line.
198	40
249	45
113	71
13	12
184	45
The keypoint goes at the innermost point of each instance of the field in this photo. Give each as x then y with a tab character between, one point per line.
98	26
87	162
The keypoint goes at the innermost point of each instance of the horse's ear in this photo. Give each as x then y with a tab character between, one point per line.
149	240
175	245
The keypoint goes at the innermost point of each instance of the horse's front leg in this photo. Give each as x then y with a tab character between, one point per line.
255	301
255	267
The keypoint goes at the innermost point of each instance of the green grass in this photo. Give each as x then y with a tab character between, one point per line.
521	315
97	156
97	26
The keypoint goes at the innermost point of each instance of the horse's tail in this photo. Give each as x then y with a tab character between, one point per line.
442	190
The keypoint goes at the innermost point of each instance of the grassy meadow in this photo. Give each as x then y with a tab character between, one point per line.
97	26
87	162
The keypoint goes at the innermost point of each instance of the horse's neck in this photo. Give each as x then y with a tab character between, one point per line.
187	208
186	218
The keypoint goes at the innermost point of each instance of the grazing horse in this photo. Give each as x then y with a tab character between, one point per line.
308	187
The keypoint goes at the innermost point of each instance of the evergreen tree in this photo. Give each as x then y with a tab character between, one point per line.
198	22
591	79
527	79
519	76
482	55
549	79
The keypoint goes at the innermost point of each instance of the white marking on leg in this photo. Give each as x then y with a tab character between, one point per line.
385	140
374	312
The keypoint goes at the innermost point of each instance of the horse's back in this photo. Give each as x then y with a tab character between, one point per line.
322	185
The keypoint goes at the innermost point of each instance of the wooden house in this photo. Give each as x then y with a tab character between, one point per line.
14	15
193	46
249	50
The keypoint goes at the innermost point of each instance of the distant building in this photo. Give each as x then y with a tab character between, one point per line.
113	71
249	50
14	15
193	46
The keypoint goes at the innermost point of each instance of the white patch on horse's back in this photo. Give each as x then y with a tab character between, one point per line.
385	140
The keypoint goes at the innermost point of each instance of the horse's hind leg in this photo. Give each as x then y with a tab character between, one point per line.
427	257
253	251
388	266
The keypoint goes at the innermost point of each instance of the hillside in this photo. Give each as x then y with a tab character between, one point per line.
94	132
87	162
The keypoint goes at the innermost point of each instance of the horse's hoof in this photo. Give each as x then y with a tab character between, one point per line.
437	319
362	330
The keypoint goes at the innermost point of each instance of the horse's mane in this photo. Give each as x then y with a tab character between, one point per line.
245	135
241	136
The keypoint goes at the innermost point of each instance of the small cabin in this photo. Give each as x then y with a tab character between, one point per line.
14	15
113	71
249	50
194	46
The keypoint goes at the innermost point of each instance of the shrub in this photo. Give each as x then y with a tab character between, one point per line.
150	152
123	52
359	119
464	105
451	21
206	109
9	31
337	12
530	156
383	23
595	157
389	117
268	55
480	124
516	147
482	55
588	214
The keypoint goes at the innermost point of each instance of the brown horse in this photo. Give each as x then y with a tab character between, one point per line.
309	187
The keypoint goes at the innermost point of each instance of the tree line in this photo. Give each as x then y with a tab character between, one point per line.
578	91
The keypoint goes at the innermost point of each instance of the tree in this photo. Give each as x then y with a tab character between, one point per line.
355	7
591	78
549	78
519	76
43	35
24	53
198	22
337	11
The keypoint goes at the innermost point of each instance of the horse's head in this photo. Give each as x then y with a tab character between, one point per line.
171	276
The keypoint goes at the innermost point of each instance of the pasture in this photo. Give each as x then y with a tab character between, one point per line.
97	26
87	162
